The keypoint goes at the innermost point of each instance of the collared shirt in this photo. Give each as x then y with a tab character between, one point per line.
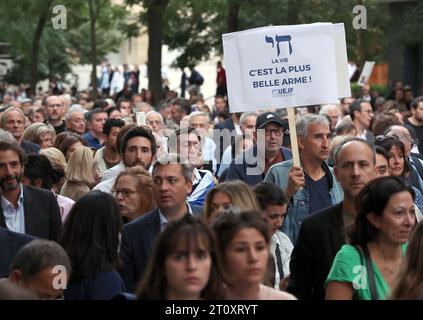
14	217
268	164
93	142
163	220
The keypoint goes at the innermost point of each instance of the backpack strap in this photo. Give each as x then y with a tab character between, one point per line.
370	272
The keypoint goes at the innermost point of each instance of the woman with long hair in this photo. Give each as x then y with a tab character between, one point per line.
367	268
183	265
243	244
91	239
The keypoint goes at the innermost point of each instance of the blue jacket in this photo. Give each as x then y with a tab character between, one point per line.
245	168
298	206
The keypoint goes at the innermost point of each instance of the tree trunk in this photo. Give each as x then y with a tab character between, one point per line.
93	17
34	52
155	38
232	21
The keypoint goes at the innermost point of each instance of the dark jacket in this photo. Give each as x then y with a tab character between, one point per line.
239	166
10	243
137	244
42	214
320	238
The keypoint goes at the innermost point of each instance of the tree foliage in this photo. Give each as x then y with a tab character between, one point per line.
59	49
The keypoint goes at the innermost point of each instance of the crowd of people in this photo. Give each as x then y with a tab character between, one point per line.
142	199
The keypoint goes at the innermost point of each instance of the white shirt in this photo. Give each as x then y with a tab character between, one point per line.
285	247
14	217
163	220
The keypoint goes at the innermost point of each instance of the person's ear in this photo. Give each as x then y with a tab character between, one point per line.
15	276
374	220
38	183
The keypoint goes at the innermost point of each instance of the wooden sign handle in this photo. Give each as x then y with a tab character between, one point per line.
293	135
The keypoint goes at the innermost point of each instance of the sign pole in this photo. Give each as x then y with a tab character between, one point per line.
293	135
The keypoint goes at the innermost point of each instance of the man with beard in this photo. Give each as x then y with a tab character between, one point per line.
323	234
416	120
108	156
25	209
55	110
138	147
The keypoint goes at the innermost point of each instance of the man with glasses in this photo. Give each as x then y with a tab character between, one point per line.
252	165
55	111
361	114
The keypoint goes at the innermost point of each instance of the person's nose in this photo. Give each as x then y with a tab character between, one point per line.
252	255
191	262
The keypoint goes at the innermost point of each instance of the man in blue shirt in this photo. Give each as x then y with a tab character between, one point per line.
312	187
95	121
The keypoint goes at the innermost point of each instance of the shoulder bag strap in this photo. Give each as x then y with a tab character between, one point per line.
370	272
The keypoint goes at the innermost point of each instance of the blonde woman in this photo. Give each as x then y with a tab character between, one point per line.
40	133
228	194
79	174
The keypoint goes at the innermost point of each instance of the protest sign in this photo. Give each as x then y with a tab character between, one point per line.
365	74
281	66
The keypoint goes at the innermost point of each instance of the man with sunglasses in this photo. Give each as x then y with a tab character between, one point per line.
252	165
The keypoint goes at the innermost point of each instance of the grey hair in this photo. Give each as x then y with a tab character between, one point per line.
72	110
3	118
342	144
173	158
140	105
245	115
309	118
153	113
7	137
199	114
326	108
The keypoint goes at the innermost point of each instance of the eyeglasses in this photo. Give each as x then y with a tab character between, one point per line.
126	193
278	132
54	105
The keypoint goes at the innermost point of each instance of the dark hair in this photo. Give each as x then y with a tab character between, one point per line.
383	121
89	115
184	104
38	255
268	193
415	103
381	151
138	132
70	140
373	198
355	106
38	166
110	123
100	104
189	230
7	146
122	133
120	100
229	223
60	137
91	234
110	110
173	138
387	143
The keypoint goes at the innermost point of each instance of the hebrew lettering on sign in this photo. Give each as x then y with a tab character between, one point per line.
279	39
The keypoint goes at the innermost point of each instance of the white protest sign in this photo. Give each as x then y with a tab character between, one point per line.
281	66
342	68
365	74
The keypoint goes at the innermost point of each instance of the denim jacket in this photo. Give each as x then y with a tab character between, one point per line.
298	206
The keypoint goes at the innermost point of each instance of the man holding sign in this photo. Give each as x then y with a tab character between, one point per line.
313	187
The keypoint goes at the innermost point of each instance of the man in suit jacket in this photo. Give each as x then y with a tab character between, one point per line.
171	185
25	209
10	243
322	234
